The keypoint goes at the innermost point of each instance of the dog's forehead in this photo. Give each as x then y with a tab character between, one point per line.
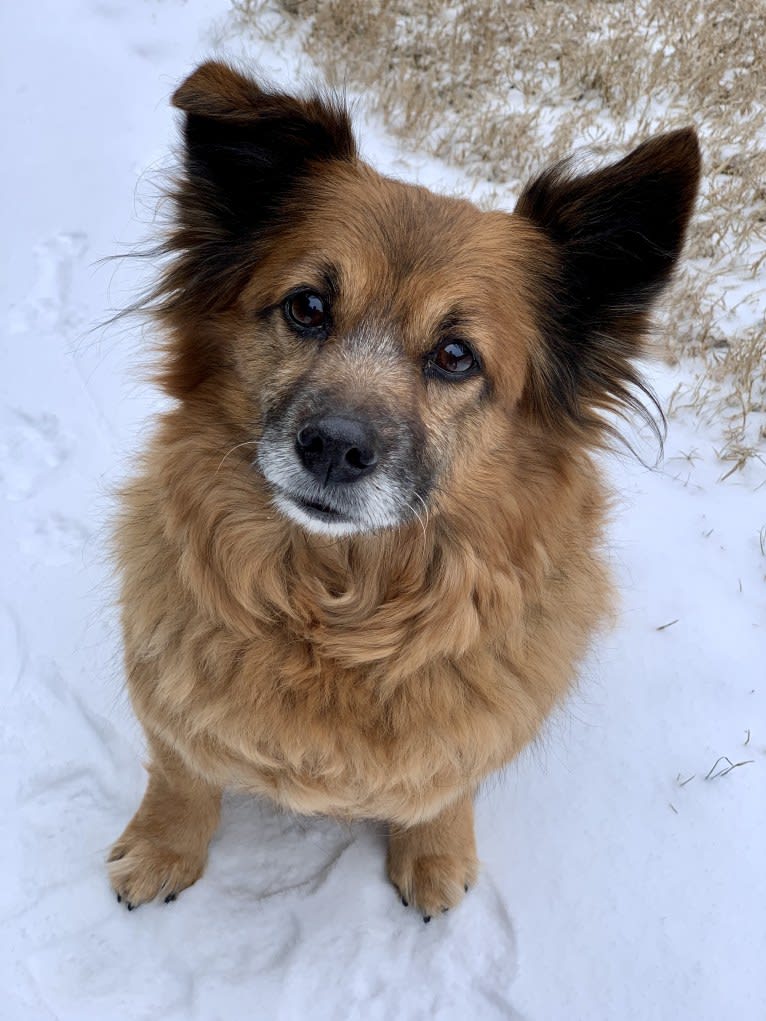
409	228
403	248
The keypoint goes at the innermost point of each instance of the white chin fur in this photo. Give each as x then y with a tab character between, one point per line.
376	506
315	525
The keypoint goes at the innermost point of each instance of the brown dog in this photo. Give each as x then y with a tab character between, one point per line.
361	560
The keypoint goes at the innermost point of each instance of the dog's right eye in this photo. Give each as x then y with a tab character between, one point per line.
306	309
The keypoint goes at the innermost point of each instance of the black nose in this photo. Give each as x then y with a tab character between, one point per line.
337	449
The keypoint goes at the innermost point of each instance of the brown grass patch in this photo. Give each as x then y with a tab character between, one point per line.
501	88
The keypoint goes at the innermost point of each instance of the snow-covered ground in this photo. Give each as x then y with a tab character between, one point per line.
624	877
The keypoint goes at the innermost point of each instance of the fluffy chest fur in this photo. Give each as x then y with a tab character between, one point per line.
363	679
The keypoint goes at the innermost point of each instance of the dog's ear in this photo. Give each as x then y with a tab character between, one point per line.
248	155
246	152
613	239
246	146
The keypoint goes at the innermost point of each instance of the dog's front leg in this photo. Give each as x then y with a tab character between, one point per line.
164	847
433	863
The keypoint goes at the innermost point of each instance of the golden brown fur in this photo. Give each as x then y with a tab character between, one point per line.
382	674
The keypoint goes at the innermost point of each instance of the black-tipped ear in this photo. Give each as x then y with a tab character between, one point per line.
614	238
249	157
247	153
247	145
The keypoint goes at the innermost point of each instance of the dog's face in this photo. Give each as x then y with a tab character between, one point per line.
387	344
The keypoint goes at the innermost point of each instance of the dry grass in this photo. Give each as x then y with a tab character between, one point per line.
502	87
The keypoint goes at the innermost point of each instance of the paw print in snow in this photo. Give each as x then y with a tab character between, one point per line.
55	540
31	448
50	305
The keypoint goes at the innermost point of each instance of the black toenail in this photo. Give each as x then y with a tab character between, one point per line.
466	887
426	919
405	902
119	899
129	905
170	897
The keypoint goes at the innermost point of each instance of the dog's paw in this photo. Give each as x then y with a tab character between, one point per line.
140	869
432	883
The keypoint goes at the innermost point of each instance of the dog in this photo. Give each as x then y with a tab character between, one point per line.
360	560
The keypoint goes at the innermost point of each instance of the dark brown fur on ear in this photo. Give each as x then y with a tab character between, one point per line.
247	152
614	238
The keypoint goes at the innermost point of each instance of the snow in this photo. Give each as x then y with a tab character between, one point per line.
612	888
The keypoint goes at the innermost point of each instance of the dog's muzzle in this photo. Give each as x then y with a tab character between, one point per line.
337	471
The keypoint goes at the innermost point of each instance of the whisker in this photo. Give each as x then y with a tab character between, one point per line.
425	506
247	443
420	521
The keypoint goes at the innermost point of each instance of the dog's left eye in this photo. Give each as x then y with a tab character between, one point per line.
453	359
306	309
